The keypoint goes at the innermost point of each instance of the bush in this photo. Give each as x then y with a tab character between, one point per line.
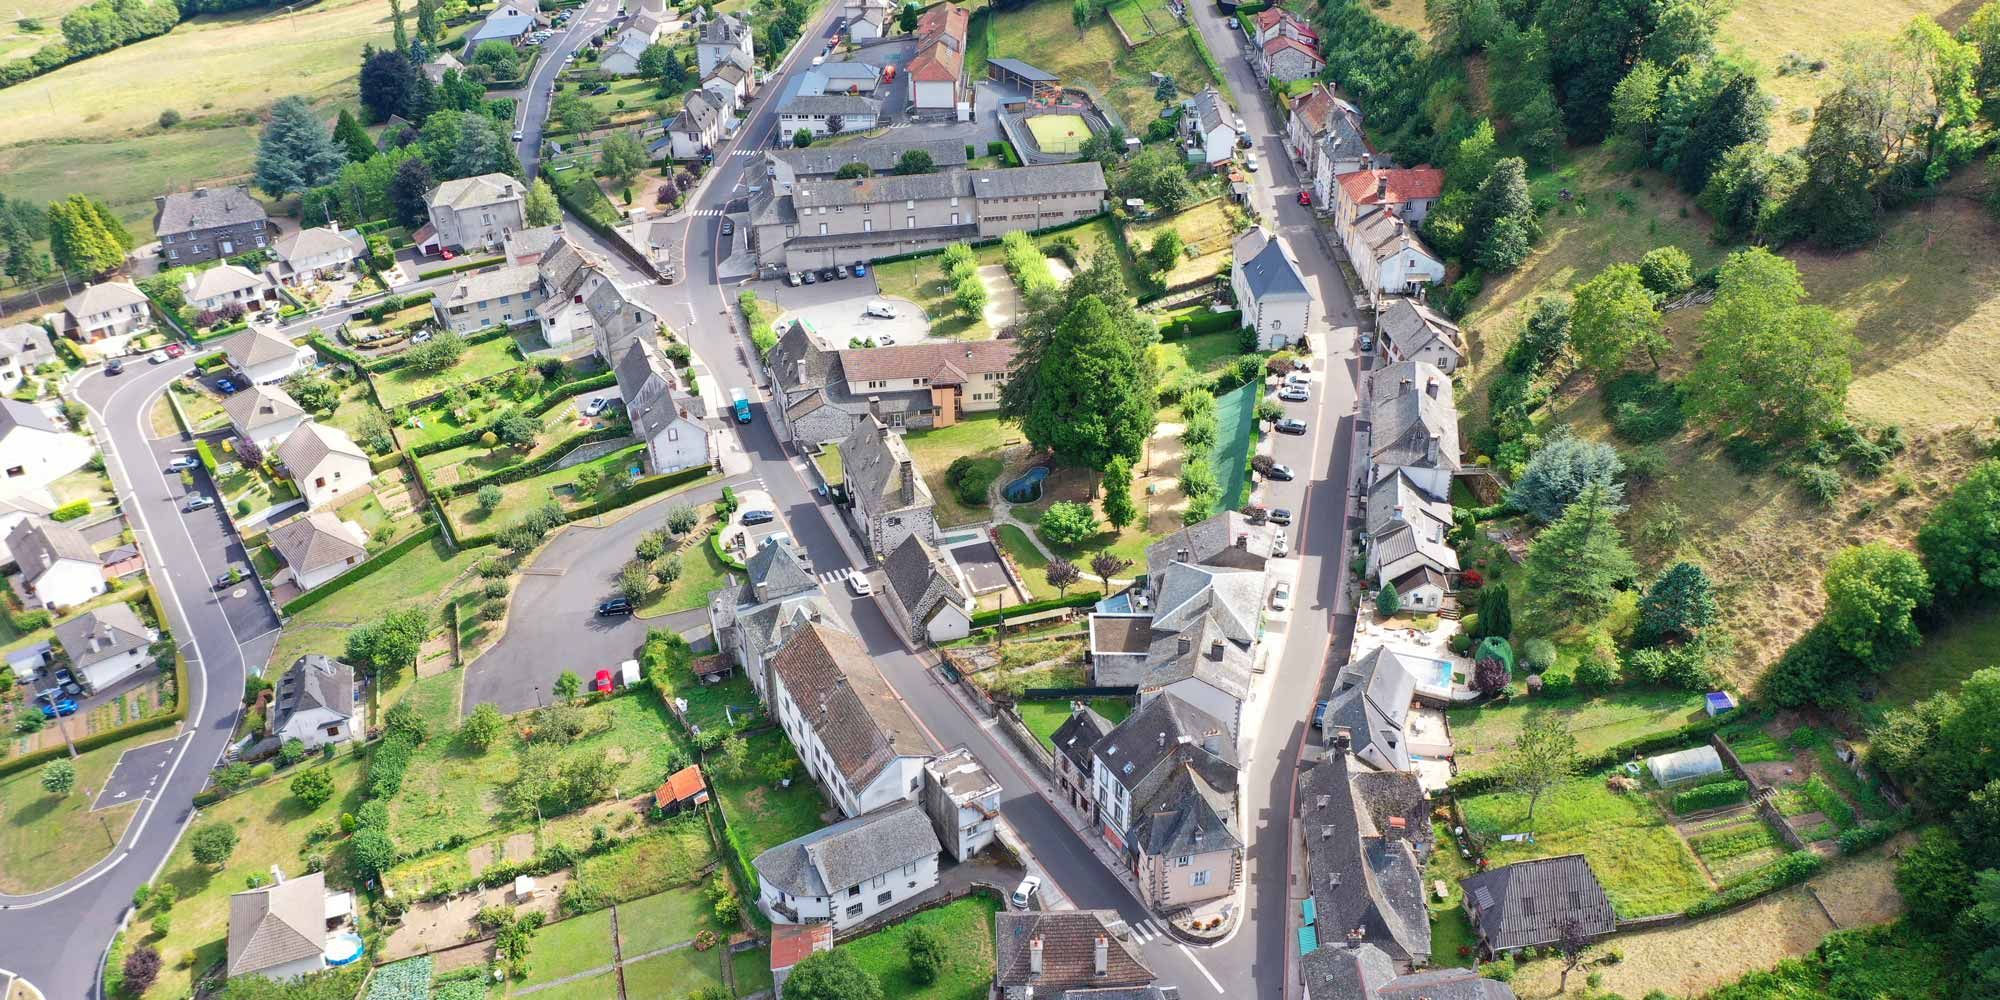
1596	673
1643	408
1068	523
1791	869
1711	796
70	511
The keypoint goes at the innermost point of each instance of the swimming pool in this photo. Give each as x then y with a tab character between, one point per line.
344	948
1028	488
1443	676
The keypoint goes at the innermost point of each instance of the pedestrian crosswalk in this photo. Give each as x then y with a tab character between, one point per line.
836	575
707	212
746	152
1146	930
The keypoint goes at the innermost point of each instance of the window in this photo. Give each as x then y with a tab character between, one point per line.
878	882
853	891
1200	877
867	225
909	222
884	898
319	482
333	730
1184	860
822	229
854	911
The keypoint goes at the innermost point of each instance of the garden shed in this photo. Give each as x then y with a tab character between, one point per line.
1684	765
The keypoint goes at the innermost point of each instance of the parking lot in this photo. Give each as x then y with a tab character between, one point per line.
839	311
138	771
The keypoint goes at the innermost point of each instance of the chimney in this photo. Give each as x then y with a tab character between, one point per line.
1381	186
875	407
1405	384
1160	740
1180	555
1186	644
1354	938
1242	539
1398	827
1431	452
1343	738
909	469
277	875
1397	514
802	371
1100	956
1035	955
1215	649
201	192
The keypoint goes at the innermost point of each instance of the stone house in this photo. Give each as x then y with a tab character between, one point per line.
195	227
890	501
473	213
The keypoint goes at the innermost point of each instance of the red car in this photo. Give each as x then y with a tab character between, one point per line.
1305	197
446	254
602	683
175	350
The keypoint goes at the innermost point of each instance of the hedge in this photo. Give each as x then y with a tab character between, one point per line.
341	582
1861	838
1789	870
1485	781
715	545
535	466
1201	323
467	265
70	354
206	454
70	511
601	380
116	733
631	494
1711	796
318	342
996	617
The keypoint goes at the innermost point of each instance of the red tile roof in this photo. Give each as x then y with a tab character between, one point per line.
686	784
937	62
1278	42
1271	16
948	19
791	943
1312	107
1364	187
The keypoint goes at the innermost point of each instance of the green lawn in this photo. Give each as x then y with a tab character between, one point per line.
481	360
45	838
701	574
126	171
422	577
922	281
660	920
1043	34
453	791
708	705
1948	656
475	459
1451	929
674	974
1043	718
568	947
830	466
594	988
671	857
1644	865
1029	560
271	829
967	928
1598	721
1208	229
761	815
522	494
980	436
751	970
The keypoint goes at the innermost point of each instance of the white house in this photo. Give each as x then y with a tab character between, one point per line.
845	873
13	511
1270	292
929	595
59	569
854	734
1407	546
106	645
621	57
324	463
473	212
23	348
1138	757
316	254
318	547
669	422
264	414
1412	331
1388	255
36	451
867	19
731	84
225	285
108	314
827	114
263	354
315	703
698	127
726	37
963	801
1210	128
279	931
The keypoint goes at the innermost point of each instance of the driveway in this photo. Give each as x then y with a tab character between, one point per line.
553	625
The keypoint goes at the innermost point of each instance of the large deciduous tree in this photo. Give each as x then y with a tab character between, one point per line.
1613	315
1769	364
1960	540
541	207
389	85
1872	594
831	975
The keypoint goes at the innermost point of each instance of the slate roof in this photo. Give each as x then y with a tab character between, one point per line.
832	859
943	364
473	192
95	636
1413	326
881	476
258	345
1405	184
775	571
1364	872
532	242
881	157
277	924
26	341
1413	418
699	115
723	28
1210	112
206	208
1268	271
1385	235
1078	734
38	544
103	297
260	406
841	694
832	104
1212	542
1185	815
316	541
922	580
1526	903
304	449
1403	521
1041	180
315	242
314	682
1371	699
1069	952
1336	971
221	279
648	390
1344	139
1203	650
1163	733
20	413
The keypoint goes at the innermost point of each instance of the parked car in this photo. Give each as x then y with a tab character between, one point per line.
1281	596
1298	377
174	350
1025	892
758	517
880	310
600	90
614	607
198	501
519	135
157	358
1281	515
602	682
114	367
1290	426
728	227
792	279
230	577
63	706
226	386
1367	342
422	336
830	274
861	270
1281	473
1305	197
1250	162
1319	714
183	462
64	677
1294	394
810	278
1280	546
860	585
886	341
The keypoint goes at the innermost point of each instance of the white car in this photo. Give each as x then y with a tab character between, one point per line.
1279	545
1250	162
519	135
1281	596
596	406
1298	377
880	310
421	337
1025	892
860	585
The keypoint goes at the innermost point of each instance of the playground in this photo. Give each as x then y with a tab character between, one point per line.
1059	132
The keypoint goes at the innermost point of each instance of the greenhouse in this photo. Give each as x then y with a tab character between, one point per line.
1684	765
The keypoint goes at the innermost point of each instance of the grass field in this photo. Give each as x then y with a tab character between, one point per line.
1028	560
1208	229
1451	929
967	929
674	974
701	575
1765	31
568	947
481	360
761	815
1043	35
1043	718
127	172
476	459
270	829
980	436
1644	865
1597	721
524	493
421	576
663	919
1948	656
922	280
45	839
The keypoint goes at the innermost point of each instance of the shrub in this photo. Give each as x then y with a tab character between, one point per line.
1711	796
70	511
927	954
1820	483
1068	523
1642	407
1791	869
1596	673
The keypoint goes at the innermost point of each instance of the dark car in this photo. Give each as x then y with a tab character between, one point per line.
614	607
1281	473
114	367
758	517
600	90
827	274
810	278
226	386
728	227
1291	426
1319	715
1280	515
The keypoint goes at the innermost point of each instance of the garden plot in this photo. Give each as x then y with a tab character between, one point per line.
1819	794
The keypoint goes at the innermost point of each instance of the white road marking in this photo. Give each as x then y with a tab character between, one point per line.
1203	969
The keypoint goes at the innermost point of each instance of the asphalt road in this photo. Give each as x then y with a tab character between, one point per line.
56	939
534	108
